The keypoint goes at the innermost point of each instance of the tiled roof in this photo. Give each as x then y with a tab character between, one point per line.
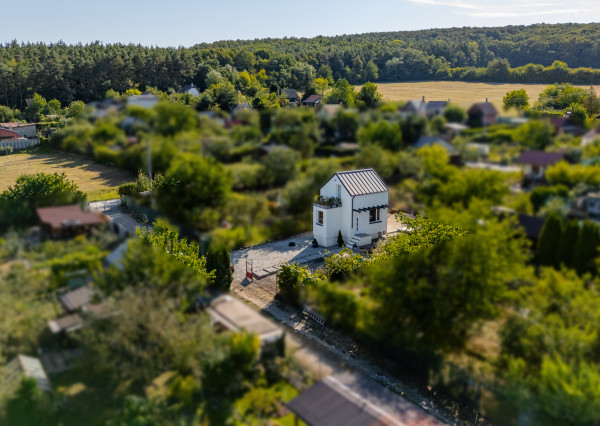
56	217
539	158
362	182
314	98
4	134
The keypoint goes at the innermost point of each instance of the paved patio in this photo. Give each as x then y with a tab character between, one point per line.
266	258
119	215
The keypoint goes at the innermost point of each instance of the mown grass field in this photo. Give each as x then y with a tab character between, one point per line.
459	92
98	181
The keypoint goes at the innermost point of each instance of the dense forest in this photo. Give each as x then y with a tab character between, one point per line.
525	54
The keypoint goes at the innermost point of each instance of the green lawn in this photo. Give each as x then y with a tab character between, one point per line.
98	181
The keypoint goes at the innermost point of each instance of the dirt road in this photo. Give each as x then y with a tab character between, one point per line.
324	351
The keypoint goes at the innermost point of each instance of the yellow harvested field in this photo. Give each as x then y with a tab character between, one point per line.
459	92
98	181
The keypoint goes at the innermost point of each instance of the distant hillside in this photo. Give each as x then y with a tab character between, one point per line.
576	44
502	54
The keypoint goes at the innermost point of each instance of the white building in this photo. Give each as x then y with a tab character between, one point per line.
26	130
147	100
191	89
354	203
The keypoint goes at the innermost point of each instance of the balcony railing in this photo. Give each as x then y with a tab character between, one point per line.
327	202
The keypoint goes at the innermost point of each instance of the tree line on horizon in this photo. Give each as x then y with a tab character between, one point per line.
524	54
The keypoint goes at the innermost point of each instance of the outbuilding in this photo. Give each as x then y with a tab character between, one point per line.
69	221
348	399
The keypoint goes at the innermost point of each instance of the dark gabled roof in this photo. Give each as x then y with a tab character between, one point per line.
413	105
532	225
241	106
106	103
483	107
362	182
353	400
187	87
290	93
436	104
562	122
539	158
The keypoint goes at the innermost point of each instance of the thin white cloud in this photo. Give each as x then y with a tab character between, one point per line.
513	8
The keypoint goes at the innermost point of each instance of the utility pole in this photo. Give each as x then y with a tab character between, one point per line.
149	161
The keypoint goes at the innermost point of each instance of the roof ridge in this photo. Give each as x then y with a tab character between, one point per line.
354	171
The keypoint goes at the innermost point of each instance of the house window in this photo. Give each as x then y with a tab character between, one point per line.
339	191
319	217
374	215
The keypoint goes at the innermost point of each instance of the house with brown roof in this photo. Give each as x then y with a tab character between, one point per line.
482	113
354	203
26	130
535	163
6	135
313	100
566	125
68	221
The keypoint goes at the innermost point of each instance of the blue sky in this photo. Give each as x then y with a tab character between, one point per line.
185	22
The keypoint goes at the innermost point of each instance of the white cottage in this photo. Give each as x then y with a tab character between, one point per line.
353	202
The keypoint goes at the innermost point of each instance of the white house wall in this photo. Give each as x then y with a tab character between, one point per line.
367	201
344	218
344	221
327	233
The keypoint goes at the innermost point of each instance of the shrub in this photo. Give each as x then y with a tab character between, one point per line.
129	188
340	265
340	239
6	150
290	279
541	194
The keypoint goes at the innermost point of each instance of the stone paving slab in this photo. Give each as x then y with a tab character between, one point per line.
268	257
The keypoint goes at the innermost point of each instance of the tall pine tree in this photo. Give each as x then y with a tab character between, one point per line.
586	250
219	260
549	239
567	243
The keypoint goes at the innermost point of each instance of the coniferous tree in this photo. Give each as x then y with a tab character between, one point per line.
586	250
567	243
548	240
219	260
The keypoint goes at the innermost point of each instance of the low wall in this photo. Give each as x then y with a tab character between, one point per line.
20	143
